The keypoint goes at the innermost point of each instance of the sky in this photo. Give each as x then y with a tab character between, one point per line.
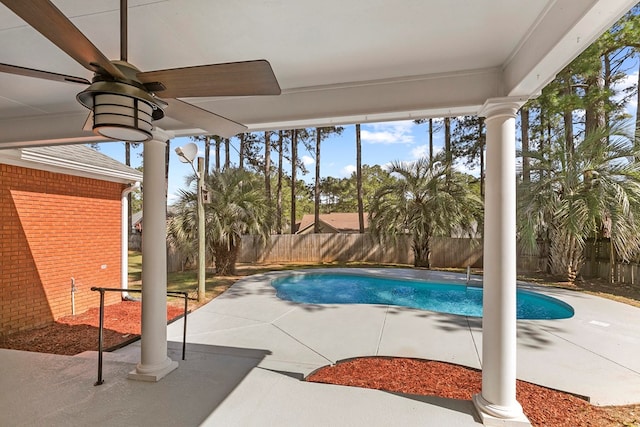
381	144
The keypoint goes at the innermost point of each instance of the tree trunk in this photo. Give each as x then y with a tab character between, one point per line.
267	165
430	141
595	109
316	208
227	154
483	141
524	125
279	185
207	156
218	143
566	255
241	150
447	146
127	161
421	252
637	134
225	259
568	125
167	152
294	168
359	180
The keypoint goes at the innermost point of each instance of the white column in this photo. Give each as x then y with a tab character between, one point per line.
497	404
154	362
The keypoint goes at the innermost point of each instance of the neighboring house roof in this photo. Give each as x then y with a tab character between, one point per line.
336	222
136	218
77	160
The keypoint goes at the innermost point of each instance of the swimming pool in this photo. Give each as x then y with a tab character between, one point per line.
342	288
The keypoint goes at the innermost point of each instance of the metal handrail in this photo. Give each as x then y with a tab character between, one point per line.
185	295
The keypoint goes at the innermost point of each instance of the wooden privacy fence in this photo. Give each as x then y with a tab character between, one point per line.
300	248
446	252
311	248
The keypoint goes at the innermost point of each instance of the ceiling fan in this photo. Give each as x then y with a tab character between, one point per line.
124	100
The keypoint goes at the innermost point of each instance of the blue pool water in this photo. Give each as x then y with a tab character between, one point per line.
324	288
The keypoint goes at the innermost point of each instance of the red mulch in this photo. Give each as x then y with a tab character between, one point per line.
543	406
72	335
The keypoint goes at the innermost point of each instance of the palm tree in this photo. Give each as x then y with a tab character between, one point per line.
576	193
237	207
427	200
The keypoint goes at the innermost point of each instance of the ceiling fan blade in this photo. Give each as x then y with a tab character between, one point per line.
48	75
49	21
229	79
203	119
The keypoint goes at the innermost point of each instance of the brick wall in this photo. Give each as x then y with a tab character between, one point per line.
54	227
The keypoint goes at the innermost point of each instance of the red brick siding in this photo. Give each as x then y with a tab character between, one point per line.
55	227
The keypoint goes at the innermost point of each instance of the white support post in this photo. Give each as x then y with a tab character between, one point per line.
154	362
497	404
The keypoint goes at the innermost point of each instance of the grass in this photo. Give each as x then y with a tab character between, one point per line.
182	281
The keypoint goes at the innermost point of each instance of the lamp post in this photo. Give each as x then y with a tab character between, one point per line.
187	154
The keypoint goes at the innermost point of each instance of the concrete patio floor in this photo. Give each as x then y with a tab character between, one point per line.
248	350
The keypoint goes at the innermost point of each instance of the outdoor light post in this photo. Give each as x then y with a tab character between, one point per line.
187	154
201	239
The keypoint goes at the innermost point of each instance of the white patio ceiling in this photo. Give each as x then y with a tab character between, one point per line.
336	61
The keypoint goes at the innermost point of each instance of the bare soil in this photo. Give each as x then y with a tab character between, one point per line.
544	407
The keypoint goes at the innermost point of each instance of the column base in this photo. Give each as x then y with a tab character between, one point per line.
152	373
494	415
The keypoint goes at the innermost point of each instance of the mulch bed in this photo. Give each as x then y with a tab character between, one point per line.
72	335
543	406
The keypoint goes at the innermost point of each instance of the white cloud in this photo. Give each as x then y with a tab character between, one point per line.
348	170
475	170
420	151
388	133
172	199
423	151
307	160
629	82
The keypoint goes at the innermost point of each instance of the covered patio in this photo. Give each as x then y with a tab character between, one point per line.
248	352
336	63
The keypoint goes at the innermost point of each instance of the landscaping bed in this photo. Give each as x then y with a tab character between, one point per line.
72	335
544	407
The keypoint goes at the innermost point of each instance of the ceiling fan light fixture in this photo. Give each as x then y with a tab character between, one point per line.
121	117
121	111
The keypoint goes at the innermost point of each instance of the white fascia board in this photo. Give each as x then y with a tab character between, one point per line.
563	31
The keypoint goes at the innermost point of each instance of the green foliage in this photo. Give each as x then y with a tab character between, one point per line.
340	195
426	200
584	180
238	206
468	139
593	192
